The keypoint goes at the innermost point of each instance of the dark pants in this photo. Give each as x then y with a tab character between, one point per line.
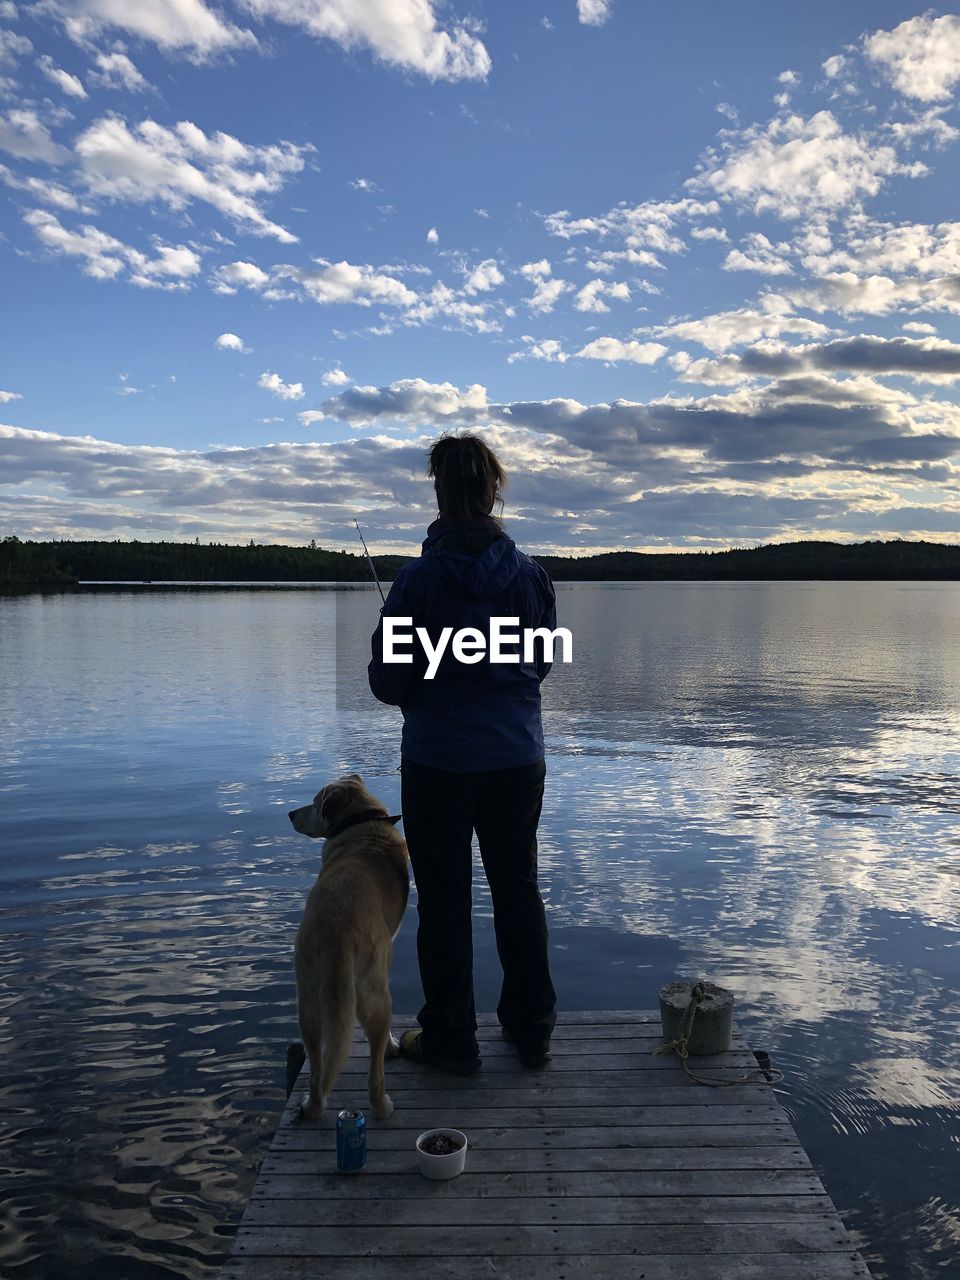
441	810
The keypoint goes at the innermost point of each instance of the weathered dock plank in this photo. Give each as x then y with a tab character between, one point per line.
824	1266
425	1116
607	1162
549	1097
564	1159
525	1208
597	1182
804	1236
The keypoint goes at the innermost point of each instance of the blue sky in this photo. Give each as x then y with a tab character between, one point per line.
693	270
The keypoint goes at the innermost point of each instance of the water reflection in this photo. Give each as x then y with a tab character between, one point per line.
757	782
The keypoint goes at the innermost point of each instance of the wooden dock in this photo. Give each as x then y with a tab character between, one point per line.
607	1162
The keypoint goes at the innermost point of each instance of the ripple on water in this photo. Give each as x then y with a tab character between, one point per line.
755	783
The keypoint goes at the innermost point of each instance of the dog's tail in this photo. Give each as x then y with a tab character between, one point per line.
338	1000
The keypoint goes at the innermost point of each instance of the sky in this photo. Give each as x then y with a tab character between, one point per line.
691	269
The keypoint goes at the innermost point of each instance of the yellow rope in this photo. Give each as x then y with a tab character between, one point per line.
679	1046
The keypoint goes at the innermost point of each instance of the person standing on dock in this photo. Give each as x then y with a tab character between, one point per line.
472	760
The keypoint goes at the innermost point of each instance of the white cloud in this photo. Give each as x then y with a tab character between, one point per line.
285	390
645	229
547	294
589	298
443	301
834	66
408	400
233	275
547	349
921	57
335	378
187	26
176	262
69	84
593	13
12	47
797	167
116	71
547	291
230	342
23	134
484	277
401	33
363	184
7	396
104	257
179	165
357	284
708	233
360	284
630	258
725	329
717	372
40	189
612	349
850	294
761	255
736	260
914	247
433	236
790	78
534	270
928	124
918	326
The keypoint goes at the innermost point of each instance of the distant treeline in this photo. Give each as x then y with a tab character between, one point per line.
70	562
66	563
790	560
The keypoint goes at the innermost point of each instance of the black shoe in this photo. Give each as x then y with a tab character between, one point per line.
411	1047
533	1053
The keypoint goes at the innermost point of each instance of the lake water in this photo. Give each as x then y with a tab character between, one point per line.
754	782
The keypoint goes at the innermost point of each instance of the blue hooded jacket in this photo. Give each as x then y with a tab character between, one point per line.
469	716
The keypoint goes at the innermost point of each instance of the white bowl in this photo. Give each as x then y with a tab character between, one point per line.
447	1166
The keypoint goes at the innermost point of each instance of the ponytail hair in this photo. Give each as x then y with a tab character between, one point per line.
467	477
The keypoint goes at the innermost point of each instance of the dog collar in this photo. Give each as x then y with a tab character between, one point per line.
365	815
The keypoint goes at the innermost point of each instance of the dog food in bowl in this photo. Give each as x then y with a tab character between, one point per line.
441	1153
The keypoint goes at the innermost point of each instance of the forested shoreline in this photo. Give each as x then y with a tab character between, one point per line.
66	564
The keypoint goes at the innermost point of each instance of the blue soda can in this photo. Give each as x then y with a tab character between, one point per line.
351	1141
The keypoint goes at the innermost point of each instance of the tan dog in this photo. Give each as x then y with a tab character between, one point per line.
345	941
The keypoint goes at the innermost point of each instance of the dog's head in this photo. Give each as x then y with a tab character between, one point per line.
337	800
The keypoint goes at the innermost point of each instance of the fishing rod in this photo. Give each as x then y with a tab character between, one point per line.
373	567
